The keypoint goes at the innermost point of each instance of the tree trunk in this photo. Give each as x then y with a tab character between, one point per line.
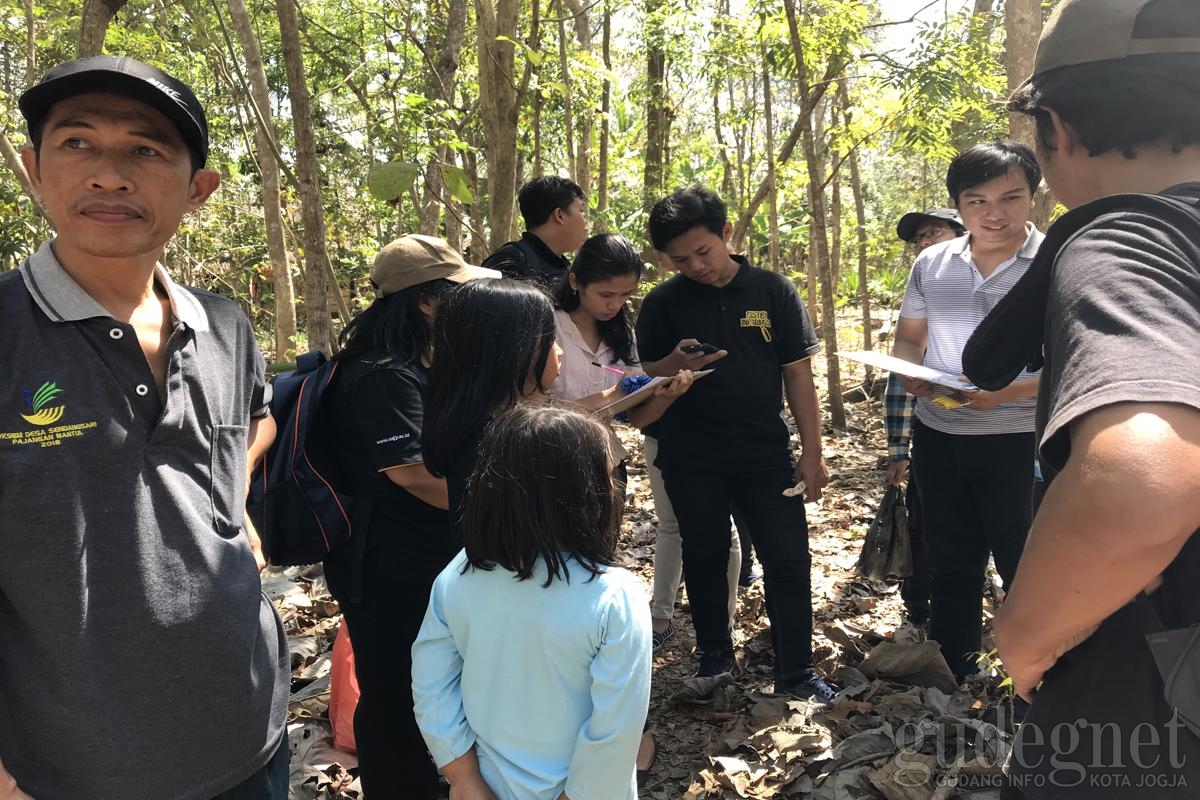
1022	29
601	222
264	137
727	188
982	6
30	44
479	248
439	86
819	244
94	25
585	111
835	205
316	258
656	106
499	106
860	219
13	160
772	192
568	106
812	293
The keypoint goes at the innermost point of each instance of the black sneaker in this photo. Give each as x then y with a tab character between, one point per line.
809	686
716	669
717	662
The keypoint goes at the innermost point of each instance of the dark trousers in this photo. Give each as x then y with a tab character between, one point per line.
392	758
976	493
703	500
915	589
269	783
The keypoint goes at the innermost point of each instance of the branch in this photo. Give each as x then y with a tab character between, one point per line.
259	117
13	160
908	21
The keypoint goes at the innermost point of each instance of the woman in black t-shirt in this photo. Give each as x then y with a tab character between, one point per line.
383	585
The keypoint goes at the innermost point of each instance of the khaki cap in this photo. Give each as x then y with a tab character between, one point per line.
1087	31
415	259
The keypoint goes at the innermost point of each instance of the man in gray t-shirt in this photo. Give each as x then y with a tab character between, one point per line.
138	655
1113	555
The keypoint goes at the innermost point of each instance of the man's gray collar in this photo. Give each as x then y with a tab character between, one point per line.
63	300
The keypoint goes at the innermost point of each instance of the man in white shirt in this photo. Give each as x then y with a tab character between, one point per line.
974	462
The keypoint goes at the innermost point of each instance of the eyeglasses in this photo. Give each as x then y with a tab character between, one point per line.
930	234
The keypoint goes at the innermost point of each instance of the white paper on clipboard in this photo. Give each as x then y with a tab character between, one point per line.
910	370
626	402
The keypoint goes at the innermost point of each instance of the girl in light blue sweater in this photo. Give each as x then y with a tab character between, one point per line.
531	673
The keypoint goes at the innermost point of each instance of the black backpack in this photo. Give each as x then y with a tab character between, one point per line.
299	499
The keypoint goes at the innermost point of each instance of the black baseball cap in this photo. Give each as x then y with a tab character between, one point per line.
906	228
123	76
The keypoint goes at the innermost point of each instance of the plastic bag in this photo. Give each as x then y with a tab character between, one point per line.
887	551
343	691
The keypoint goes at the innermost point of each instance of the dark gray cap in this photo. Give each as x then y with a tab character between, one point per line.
906	228
123	76
1087	31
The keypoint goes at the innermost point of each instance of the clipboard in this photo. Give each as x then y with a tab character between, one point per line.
910	370
636	398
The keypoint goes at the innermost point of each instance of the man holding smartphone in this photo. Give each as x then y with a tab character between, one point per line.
725	442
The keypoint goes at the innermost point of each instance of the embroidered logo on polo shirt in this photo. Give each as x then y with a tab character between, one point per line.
39	402
760	320
43	416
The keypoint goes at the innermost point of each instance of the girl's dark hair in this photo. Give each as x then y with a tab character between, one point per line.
604	256
393	324
977	165
489	337
542	490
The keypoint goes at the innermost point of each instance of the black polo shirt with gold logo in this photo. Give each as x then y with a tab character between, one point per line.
732	419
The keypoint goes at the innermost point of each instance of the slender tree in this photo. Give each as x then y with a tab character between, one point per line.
773	190
653	173
316	257
860	225
499	103
442	60
601	222
819	242
265	145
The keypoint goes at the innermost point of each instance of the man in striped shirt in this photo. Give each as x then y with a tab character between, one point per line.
974	463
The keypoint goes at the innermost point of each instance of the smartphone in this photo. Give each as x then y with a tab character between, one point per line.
705	348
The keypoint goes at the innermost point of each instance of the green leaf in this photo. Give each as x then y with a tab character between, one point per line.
457	182
391	180
534	56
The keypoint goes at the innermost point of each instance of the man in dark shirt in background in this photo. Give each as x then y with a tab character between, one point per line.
555	214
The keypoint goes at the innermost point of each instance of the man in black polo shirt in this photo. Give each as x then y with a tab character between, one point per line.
138	654
726	442
1113	555
555	214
